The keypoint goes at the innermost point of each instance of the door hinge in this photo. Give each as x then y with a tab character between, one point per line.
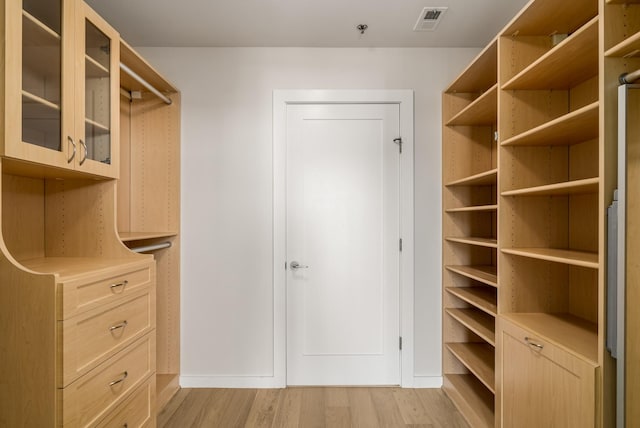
285	265
398	141
400	343
400	244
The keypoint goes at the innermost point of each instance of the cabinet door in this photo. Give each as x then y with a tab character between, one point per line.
98	78
542	385
39	81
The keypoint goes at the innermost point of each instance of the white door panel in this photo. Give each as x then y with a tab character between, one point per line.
343	223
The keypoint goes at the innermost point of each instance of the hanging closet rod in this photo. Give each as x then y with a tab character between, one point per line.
144	83
154	247
629	77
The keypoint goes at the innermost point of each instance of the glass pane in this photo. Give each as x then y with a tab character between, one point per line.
48	12
97	95
41	74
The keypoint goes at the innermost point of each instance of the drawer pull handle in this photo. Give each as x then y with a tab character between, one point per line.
117	381
123	324
534	344
119	284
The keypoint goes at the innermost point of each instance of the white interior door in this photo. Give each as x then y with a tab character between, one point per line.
343	230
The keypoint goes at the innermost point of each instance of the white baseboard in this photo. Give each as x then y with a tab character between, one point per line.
262	382
427	381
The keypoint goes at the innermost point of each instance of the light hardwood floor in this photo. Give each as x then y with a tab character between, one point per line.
311	408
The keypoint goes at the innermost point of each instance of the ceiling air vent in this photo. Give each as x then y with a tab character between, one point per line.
429	18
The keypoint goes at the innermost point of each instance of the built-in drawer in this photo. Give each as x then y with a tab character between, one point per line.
88	339
95	395
136	411
81	295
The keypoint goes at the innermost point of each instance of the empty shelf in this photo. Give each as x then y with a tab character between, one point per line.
481	74
483	298
479	358
482	179
139	236
486	274
478	208
481	242
570	257
478	322
475	402
575	127
587	185
482	111
572	61
626	48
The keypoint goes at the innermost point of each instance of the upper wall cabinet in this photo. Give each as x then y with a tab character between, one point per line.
61	87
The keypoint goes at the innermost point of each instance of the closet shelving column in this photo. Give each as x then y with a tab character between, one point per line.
621	44
469	238
149	199
550	215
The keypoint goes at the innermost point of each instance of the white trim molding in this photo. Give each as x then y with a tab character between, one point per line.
430	382
261	382
405	100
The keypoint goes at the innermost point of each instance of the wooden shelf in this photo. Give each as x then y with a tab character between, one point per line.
72	268
99	128
627	48
94	69
479	358
486	178
572	61
482	111
576	187
483	298
137	63
36	33
474	401
572	128
541	18
481	74
569	257
478	208
486	274
140	236
481	242
566	331
478	322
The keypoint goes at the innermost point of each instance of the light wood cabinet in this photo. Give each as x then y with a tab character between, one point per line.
543	383
544	85
60	88
85	322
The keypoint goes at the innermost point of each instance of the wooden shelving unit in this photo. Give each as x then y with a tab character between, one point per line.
149	201
537	260
470	205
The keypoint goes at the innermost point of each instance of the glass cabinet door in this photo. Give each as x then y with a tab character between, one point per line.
101	83
37	63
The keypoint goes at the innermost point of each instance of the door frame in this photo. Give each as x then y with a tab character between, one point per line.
404	98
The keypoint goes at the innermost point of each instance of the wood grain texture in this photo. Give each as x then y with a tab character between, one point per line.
331	407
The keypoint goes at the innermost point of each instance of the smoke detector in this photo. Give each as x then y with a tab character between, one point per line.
429	18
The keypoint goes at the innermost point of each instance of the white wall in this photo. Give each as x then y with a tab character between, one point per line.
227	319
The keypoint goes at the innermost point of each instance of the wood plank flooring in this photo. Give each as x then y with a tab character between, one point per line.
310	408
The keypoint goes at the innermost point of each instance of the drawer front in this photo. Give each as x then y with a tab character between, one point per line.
89	399
136	411
91	338
83	295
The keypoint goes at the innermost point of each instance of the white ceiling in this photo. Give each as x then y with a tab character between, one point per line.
318	23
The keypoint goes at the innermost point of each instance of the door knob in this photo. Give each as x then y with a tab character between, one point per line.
295	265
